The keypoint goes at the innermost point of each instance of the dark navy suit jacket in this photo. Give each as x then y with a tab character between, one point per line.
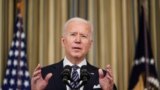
55	83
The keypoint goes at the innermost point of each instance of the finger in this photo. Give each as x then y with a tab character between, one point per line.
35	78
110	78
111	82
38	67
108	67
109	70
109	73
101	75
37	70
48	77
36	73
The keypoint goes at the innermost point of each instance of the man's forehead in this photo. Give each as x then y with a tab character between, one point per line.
85	31
78	32
78	27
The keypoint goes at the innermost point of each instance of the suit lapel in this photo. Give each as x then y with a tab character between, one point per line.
59	83
92	71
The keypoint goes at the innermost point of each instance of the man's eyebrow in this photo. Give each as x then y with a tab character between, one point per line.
73	32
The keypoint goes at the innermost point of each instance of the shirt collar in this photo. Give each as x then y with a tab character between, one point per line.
67	62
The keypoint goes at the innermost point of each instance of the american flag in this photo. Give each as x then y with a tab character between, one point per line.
17	75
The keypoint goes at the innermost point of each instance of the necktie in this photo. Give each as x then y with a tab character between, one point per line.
74	77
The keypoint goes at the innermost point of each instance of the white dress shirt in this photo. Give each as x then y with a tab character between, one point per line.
67	62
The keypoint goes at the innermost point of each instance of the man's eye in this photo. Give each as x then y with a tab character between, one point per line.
84	36
72	34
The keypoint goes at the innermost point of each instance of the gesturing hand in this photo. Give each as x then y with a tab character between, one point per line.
106	81
37	82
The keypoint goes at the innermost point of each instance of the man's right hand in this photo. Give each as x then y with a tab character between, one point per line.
37	81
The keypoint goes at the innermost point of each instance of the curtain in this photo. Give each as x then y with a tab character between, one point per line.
115	32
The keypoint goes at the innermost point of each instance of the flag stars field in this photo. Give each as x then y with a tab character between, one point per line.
13	72
9	62
12	82
15	62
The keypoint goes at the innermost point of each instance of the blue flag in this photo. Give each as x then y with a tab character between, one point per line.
17	75
144	74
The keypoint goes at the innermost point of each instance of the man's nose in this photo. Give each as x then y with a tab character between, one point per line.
78	39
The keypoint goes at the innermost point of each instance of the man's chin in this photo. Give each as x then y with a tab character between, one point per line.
77	56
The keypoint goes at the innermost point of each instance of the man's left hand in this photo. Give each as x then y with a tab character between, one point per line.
106	81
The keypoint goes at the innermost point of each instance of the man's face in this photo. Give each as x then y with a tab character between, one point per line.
77	40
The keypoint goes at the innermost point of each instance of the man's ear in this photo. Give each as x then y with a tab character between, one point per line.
62	41
91	43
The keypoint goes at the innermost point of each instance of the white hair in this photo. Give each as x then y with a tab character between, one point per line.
77	19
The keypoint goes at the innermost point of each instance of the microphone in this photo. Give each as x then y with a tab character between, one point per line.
66	74
85	76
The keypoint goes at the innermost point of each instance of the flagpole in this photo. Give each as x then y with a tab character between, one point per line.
19	17
145	43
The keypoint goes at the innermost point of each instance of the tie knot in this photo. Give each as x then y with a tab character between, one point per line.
75	67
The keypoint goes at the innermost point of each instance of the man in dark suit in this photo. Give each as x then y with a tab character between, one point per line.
76	40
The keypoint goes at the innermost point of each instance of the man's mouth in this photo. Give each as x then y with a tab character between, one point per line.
76	48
